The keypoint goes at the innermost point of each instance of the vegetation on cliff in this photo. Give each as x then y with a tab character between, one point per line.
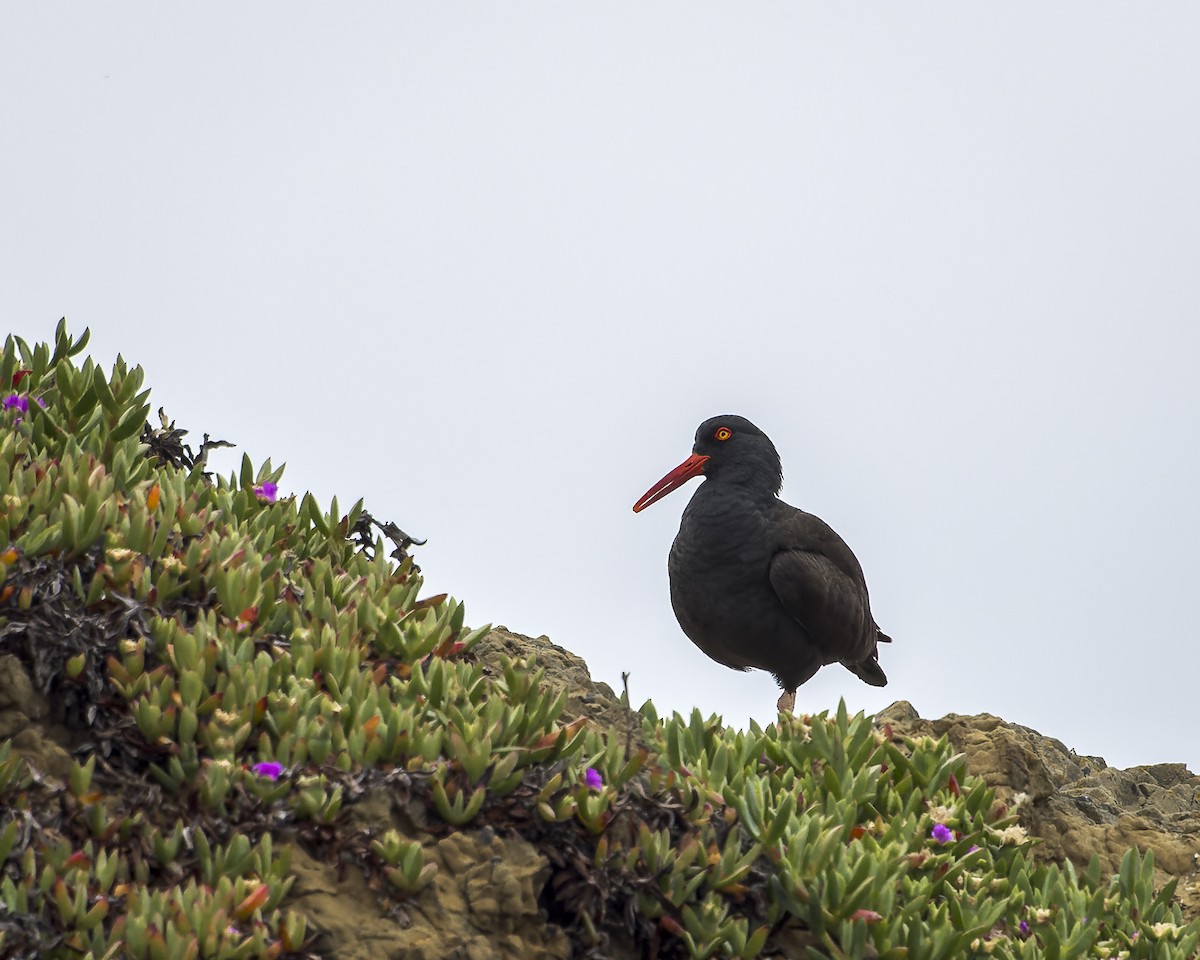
234	669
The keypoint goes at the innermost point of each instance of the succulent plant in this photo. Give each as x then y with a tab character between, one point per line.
243	664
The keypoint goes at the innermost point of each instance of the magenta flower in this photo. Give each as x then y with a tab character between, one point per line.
269	769
593	778
942	833
268	491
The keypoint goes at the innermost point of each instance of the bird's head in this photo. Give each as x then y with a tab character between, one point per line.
728	450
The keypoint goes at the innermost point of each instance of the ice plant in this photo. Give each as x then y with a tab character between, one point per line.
261	635
269	769
14	401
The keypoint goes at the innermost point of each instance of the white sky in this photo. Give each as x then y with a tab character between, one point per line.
489	265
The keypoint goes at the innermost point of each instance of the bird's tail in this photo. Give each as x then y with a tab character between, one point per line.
868	670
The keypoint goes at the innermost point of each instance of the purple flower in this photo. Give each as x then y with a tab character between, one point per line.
14	401
974	847
266	491
942	833
1024	928
593	778
269	769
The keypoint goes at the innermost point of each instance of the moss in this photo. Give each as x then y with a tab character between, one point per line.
239	670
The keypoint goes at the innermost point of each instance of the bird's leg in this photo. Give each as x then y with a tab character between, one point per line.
787	701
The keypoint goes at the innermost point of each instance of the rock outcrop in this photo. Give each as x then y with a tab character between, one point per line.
1078	805
482	905
586	698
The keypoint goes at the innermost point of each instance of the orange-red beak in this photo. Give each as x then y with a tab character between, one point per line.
691	467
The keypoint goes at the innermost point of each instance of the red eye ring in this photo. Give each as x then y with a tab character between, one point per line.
723	433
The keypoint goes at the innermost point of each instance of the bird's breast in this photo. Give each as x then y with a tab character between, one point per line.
720	580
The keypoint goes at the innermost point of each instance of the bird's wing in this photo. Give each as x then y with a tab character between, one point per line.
832	607
821	585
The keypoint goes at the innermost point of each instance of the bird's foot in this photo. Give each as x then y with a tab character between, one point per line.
787	701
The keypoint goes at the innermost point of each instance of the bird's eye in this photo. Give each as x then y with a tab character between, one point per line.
723	433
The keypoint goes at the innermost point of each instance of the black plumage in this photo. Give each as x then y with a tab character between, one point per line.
755	582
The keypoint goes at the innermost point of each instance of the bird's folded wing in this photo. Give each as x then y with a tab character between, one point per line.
832	607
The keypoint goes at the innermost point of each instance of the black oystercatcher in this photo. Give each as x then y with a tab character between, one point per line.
756	582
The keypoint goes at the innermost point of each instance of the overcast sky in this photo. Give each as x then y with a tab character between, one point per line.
489	265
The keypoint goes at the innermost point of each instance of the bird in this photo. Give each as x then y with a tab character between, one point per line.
755	582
